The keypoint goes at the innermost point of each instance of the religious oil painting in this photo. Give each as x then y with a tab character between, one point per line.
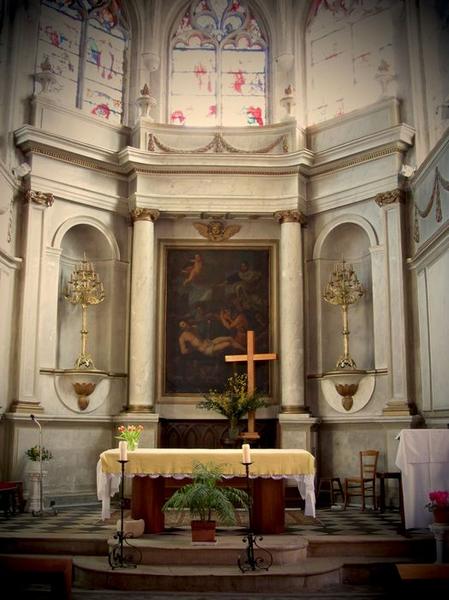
212	298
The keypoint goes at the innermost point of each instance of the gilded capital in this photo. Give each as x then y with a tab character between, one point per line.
41	198
144	214
390	197
290	216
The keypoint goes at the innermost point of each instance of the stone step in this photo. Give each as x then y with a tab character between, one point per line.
166	549
371	546
310	574
54	543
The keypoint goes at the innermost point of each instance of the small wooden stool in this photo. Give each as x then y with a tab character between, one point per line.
326	486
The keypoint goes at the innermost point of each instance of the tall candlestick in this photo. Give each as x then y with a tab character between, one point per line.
246	454
123	450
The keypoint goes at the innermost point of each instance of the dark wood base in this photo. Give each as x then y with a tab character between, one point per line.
148	496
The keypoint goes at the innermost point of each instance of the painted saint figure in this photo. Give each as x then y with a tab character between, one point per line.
189	340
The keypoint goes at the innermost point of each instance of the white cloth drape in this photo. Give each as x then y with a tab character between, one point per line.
423	458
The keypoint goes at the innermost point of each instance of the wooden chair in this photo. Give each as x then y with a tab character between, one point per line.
365	485
330	486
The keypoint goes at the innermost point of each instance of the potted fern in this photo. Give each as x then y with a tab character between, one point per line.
204	498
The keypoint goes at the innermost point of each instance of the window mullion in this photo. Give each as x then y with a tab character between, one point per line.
219	91
82	63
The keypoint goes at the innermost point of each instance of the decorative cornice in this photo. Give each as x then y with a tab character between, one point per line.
216	231
42	198
290	216
217	144
200	171
390	197
144	214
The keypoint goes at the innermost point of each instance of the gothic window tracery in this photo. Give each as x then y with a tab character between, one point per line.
83	43
218	66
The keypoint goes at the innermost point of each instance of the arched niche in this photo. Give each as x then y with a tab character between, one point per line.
351	242
106	322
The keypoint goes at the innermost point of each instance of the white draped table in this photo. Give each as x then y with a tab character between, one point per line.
149	468
423	458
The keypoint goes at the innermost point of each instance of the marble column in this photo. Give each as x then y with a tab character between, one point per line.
142	319
392	206
27	399
291	310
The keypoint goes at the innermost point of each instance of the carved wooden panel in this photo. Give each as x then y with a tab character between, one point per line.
178	433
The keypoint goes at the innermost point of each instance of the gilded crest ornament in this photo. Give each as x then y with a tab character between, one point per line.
216	231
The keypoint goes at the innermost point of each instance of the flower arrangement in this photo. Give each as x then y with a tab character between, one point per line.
33	453
234	401
438	499
130	434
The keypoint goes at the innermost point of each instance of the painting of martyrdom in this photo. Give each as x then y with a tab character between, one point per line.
213	297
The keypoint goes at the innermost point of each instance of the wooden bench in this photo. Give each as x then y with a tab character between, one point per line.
11	497
424	579
57	571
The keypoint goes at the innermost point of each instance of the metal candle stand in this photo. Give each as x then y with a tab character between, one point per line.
116	554
248	561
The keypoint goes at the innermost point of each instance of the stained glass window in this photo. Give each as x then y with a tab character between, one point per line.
218	66
84	43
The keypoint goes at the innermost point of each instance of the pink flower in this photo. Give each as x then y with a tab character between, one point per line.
439	498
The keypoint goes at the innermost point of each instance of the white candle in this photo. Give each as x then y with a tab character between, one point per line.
246	454
123	450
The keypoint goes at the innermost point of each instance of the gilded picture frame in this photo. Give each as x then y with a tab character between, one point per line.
210	296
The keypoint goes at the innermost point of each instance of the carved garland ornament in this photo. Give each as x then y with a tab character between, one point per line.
218	144
144	214
216	231
41	198
434	197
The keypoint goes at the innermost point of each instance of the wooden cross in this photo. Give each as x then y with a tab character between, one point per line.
250	358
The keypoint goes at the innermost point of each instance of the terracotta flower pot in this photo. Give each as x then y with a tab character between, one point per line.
203	531
441	514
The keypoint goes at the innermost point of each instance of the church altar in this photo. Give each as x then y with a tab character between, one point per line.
150	467
423	458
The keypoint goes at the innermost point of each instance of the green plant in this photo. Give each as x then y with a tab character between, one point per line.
234	401
203	496
33	453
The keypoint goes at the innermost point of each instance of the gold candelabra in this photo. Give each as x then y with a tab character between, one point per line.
84	288
344	289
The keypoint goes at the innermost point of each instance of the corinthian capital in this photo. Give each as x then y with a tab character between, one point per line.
390	197
41	198
290	216
144	214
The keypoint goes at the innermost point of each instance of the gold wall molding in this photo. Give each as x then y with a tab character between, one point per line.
216	231
390	197
435	198
144	214
218	145
290	216
42	198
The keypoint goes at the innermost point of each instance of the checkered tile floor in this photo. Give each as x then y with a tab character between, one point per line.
87	519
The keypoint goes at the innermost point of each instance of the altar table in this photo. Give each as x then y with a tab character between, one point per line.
423	458
150	467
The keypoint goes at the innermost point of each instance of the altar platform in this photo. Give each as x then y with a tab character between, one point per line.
337	548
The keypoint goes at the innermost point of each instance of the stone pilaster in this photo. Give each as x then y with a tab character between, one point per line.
142	318
392	205
35	207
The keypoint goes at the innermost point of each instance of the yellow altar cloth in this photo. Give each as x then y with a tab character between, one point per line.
179	461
